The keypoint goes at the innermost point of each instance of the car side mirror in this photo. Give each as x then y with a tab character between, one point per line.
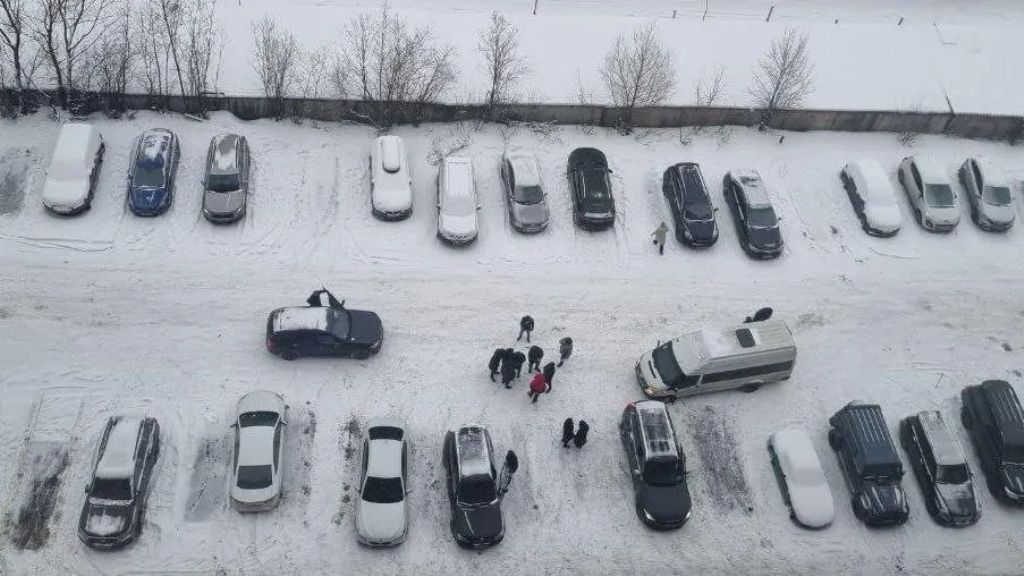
479	207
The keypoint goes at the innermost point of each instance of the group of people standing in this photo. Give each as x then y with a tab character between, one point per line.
508	362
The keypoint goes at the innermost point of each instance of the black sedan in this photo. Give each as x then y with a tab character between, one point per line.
756	222
115	500
593	204
154	166
692	211
318	330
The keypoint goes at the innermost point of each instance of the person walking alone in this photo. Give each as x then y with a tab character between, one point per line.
538	386
564	350
567	432
535	355
525	327
495	362
659	237
581	434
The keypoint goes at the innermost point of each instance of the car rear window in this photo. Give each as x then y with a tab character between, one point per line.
476	491
385	433
112	489
255	477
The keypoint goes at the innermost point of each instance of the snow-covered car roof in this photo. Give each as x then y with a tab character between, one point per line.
710	343
154	145
524	164
118	460
390	153
992	172
869	174
385	458
931	170
256	445
654	424
474	453
75	151
302	318
753	186
945	448
810	495
225	159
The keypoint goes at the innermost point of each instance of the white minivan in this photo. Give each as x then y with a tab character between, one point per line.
390	184
74	169
709	360
457	220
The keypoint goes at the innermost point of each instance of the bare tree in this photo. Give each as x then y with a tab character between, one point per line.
13	36
391	66
638	71
499	44
707	92
154	47
315	72
783	78
66	31
277	57
111	63
200	49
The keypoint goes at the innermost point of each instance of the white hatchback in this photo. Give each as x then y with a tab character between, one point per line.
931	196
390	184
74	169
457	219
801	478
872	196
382	511
259	450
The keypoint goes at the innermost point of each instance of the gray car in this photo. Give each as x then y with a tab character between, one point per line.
527	202
226	183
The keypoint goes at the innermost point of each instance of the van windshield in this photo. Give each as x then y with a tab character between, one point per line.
666	365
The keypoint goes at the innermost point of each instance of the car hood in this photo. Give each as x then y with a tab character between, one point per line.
479	524
949	215
1013	477
701	229
764	238
883	218
959	499
223	202
998	214
884	498
461	226
531	213
365	327
148	198
105	520
669	504
813	505
392	197
381	522
59	192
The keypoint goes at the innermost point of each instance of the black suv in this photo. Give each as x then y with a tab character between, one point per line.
592	202
756	222
475	489
868	459
692	211
318	330
941	468
992	414
657	465
115	501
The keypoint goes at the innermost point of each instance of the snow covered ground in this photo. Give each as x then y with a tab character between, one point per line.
946	54
109	313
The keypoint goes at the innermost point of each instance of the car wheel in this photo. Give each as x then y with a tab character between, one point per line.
856	509
917	217
289	354
995	489
362	355
792	514
748	388
965	418
834	440
899	176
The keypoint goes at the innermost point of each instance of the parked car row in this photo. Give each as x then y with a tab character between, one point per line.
122	477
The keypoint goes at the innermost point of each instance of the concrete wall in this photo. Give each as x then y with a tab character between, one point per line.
1009	128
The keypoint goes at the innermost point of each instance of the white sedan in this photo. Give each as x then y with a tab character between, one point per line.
74	169
259	449
872	197
457	207
382	512
390	184
801	478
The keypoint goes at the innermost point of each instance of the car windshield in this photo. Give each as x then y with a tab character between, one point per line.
666	365
255	477
257	419
338	323
383	490
664	472
697	211
763	217
148	174
223	182
952	474
939	195
529	195
594	181
477	491
997	195
1013	454
112	489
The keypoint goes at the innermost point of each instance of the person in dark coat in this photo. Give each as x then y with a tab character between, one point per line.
564	350
495	361
518	359
525	327
535	355
567	432
508	367
511	462
549	374
538	386
581	434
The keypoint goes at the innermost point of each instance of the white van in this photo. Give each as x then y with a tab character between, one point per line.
456	201
744	356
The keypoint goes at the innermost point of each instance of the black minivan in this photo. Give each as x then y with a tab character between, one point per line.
318	330
992	414
941	468
657	465
692	211
868	459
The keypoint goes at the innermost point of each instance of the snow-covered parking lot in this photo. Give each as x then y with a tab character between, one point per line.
108	313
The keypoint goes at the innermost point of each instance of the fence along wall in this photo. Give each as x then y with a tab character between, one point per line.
992	127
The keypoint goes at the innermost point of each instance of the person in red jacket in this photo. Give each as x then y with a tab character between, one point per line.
538	386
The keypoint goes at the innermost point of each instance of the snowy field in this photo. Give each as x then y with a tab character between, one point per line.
108	313
964	55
